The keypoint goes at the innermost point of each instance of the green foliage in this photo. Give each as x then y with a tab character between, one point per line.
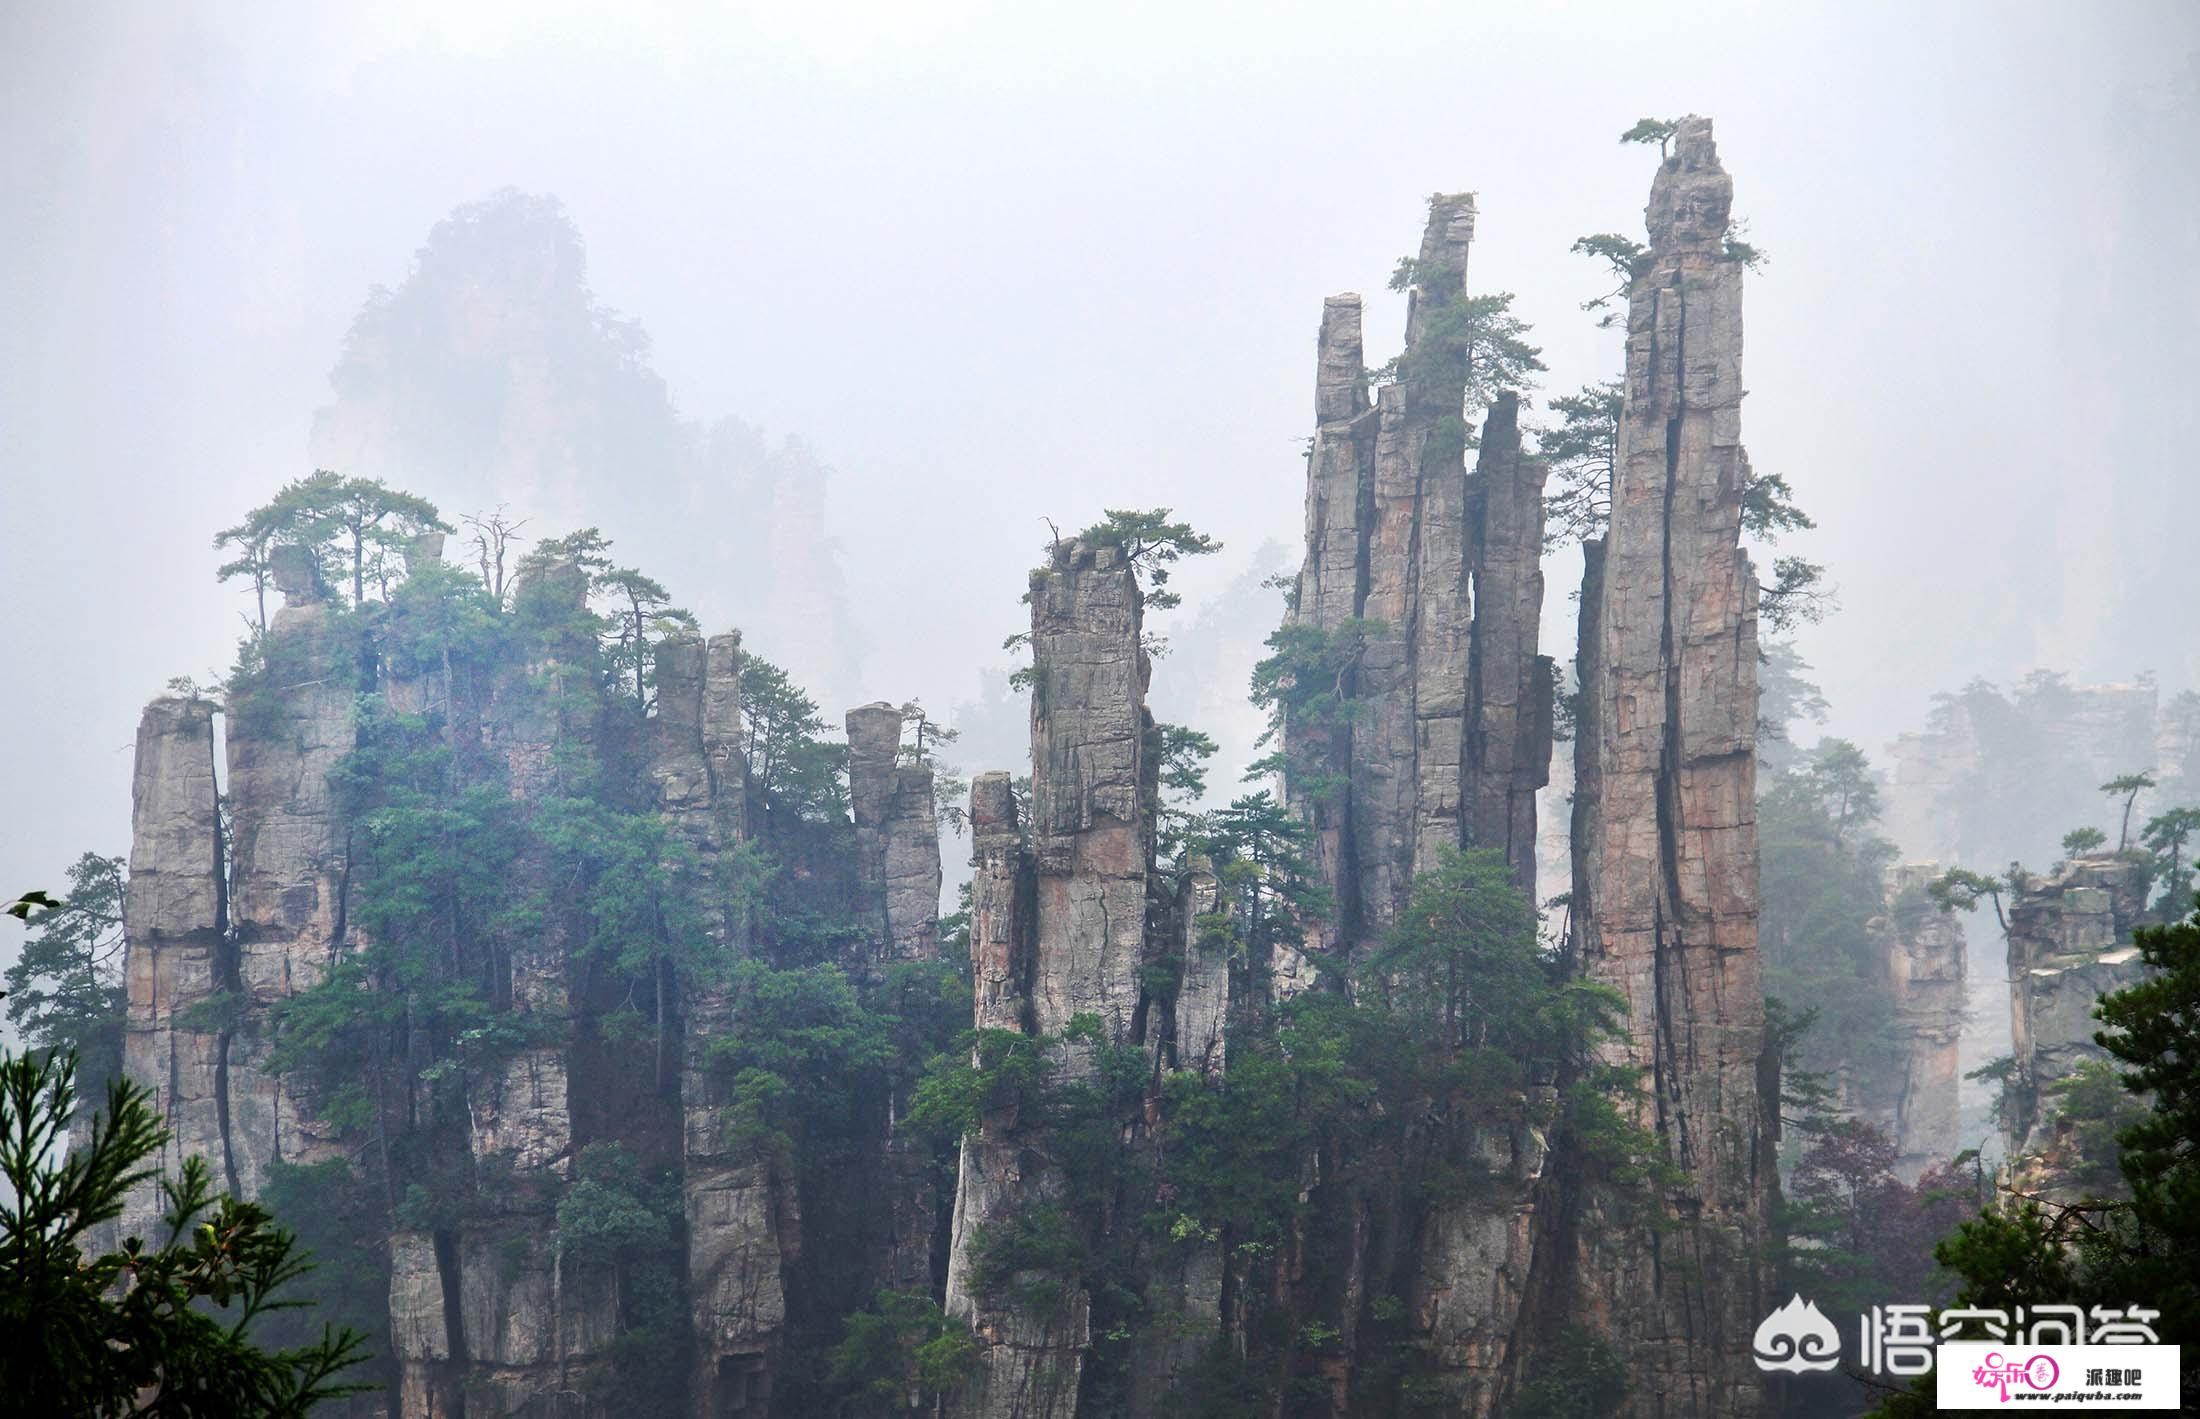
1652	130
1309	679
1181	755
2090	1110
1463	970
1626	258
1785	697
90	1334
903	1351
994	1072
1471	344
356	528
643	612
1583	454
1232	1150
612	1211
1575	1375
1032	1258
1822	879
1259	851
2080	841
795	1039
1796	595
2164	837
791	765
338	1218
1152	544
1768	508
64	990
2127	787
2006	1107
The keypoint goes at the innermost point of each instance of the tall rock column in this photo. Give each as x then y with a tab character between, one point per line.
1509	686
1091	824
1340	485
874	746
1927	976
1668	904
1440	571
2069	945
898	870
742	1229
1435	573
897	835
531	1326
1409	741
291	872
1084	937
176	954
1030	1359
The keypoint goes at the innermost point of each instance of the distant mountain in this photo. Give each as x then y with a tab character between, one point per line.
491	376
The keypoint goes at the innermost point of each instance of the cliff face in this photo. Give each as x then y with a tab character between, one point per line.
175	918
1438	572
898	873
520	1322
1668	902
1441	570
490	1311
1927	973
2069	945
1030	1358
1068	924
1091	830
897	835
743	1223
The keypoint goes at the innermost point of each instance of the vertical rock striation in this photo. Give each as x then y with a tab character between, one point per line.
1509	686
1440	570
742	1228
532	1327
1668	902
176	955
1436	572
898	872
1030	1358
1927	975
1331	590
290	873
897	835
1091	827
2069	944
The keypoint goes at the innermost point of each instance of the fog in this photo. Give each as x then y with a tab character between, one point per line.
994	264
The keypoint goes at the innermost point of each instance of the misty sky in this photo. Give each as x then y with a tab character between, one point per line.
1004	262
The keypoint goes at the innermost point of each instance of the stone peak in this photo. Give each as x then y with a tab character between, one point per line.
1692	197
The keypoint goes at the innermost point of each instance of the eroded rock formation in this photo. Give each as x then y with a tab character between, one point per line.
743	1222
1441	572
1438	571
489	1312
175	919
1666	910
1030	1357
898	872
1091	829
897	834
2069	945
1927	976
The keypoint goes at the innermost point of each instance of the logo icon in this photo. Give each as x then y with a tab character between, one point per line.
1797	1337
2039	1372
